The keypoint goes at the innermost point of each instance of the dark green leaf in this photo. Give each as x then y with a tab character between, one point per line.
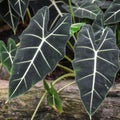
84	9
40	50
98	26
98	2
7	54
9	15
20	6
106	5
95	65
113	27
112	13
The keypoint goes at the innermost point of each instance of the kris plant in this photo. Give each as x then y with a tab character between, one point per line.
43	45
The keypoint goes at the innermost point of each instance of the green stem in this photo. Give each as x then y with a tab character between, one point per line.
71	46
45	93
71	10
73	17
75	37
43	96
65	68
29	14
69	59
63	76
66	86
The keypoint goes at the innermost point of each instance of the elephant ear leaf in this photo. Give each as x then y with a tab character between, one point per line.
84	9
7	54
95	65
20	6
98	26
112	13
8	14
41	48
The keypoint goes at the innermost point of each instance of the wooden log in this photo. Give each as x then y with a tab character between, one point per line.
22	108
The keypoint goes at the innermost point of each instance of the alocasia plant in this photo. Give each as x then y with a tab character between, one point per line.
20	6
41	47
112	13
84	9
9	15
12	10
90	63
46	47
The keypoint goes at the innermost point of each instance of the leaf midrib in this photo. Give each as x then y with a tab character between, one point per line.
85	10
112	15
40	45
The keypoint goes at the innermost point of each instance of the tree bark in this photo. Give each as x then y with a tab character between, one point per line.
22	108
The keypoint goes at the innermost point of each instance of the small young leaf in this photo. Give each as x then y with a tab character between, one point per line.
7	54
54	100
75	28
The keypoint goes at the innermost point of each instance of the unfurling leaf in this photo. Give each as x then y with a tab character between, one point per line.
75	28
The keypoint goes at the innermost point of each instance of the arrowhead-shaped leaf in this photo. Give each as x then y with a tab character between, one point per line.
84	9
20	6
95	65
98	26
53	98
40	50
7	54
112	13
9	15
